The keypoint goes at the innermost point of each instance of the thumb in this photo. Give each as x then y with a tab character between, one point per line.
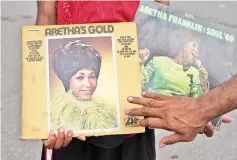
171	139
209	130
226	119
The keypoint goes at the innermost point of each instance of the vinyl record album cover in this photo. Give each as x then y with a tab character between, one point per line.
78	77
182	54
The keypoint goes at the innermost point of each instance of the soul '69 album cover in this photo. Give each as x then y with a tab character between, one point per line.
182	54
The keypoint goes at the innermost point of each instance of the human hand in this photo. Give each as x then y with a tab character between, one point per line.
183	115
60	140
209	129
57	141
82	138
226	119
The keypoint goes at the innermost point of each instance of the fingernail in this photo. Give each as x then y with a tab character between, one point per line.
143	93
209	125
52	133
127	111
82	138
162	145
61	129
130	99
70	133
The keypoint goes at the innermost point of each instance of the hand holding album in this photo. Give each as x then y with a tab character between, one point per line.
60	139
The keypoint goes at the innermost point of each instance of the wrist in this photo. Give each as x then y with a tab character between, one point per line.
209	109
197	115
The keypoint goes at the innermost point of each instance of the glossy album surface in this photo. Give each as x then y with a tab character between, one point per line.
78	77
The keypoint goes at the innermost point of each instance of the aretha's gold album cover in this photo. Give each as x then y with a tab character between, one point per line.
78	77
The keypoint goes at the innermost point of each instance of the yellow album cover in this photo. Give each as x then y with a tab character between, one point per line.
79	77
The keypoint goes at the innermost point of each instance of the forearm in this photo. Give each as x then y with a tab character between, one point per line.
46	14
220	100
165	2
45	20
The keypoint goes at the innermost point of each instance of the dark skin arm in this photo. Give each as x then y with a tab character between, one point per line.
46	13
185	116
220	100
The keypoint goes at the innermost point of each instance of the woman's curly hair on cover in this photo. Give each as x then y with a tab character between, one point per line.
74	56
177	39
